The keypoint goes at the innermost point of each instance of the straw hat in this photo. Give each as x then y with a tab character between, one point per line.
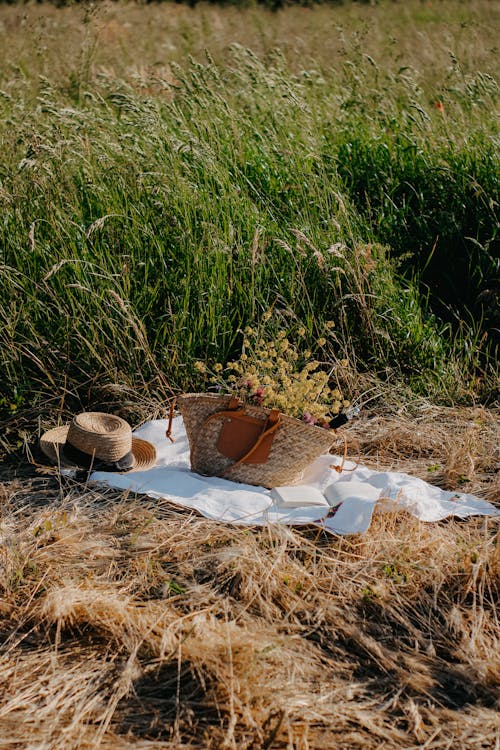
102	442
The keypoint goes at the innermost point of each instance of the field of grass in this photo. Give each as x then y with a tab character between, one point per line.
164	202
169	175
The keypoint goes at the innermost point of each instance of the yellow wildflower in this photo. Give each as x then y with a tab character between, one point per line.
269	370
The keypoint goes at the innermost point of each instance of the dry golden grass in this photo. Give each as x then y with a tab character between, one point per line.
454	448
130	623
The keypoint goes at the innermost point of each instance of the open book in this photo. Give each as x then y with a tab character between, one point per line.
306	496
298	496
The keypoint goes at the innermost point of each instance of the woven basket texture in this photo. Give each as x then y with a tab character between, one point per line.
295	445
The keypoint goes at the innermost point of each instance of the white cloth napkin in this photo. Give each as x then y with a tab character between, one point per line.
224	500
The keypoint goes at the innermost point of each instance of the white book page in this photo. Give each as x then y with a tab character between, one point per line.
298	496
340	492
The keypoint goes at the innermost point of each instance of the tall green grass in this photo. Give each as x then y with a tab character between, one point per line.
425	176
142	228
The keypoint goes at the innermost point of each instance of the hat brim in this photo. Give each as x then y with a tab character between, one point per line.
52	442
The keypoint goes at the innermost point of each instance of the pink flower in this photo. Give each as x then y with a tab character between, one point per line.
308	418
258	396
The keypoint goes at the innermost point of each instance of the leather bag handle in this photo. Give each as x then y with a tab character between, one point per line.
234	404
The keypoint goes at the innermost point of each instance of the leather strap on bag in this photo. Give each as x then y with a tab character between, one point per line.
233	404
266	435
170	420
272	425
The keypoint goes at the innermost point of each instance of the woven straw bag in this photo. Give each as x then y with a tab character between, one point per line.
280	447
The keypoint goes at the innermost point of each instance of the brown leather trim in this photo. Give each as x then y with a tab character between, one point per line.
243	438
238	435
234	403
259	453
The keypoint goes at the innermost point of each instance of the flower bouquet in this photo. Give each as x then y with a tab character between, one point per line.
268	415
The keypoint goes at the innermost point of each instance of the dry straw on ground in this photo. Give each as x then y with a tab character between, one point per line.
128	623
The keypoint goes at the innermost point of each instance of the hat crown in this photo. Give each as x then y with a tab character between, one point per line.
104	436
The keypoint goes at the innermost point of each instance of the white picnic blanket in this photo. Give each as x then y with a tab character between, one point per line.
224	500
